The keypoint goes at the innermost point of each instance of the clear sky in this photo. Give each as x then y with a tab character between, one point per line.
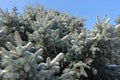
80	8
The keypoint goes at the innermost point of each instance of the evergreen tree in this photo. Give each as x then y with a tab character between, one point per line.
33	43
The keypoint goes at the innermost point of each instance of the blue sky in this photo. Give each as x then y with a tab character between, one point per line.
80	8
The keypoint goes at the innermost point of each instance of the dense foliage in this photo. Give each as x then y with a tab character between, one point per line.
41	44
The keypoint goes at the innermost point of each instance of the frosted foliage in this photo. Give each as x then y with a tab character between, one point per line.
20	64
33	43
